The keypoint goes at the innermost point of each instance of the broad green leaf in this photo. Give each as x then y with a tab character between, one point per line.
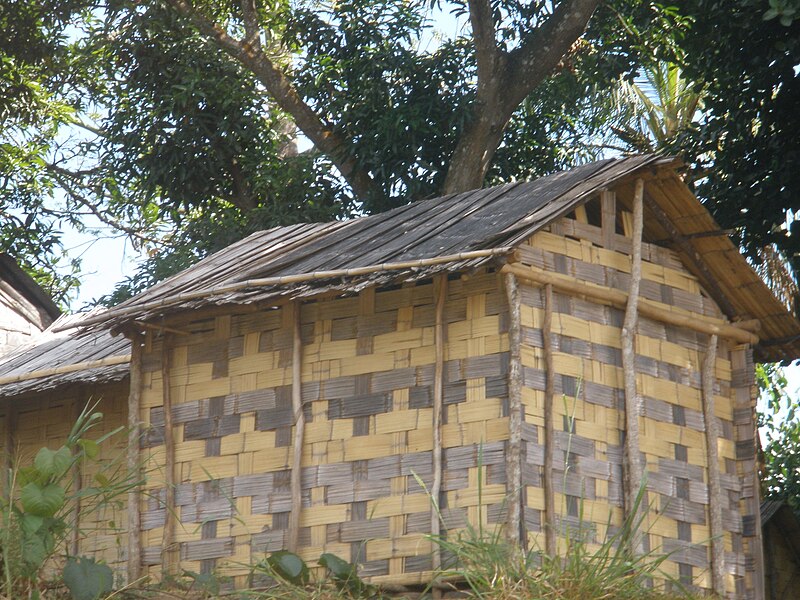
90	447
42	501
34	551
289	566
87	579
339	568
53	464
31	523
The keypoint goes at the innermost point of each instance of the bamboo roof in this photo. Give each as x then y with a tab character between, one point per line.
459	233
70	356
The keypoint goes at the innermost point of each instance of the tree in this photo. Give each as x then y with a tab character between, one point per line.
746	53
151	128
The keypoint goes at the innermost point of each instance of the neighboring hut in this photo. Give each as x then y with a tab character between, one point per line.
44	385
528	351
781	531
25	309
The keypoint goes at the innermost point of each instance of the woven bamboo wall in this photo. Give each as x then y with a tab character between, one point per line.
367	387
45	420
588	416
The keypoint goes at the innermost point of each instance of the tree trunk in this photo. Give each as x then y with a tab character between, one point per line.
474	152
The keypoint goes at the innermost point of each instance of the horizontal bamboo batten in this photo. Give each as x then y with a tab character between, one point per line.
647	308
84	366
291	279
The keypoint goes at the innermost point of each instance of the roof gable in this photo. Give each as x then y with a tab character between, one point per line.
461	232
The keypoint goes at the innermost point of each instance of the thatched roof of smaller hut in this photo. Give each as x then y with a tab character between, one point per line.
59	358
462	232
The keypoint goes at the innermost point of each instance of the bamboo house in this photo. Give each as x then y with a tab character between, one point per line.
44	386
524	355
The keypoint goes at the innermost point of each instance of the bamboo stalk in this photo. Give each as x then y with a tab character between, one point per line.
632	460
299	431
77	477
714	485
656	311
515	414
168	540
608	207
440	290
549	435
286	279
134	468
92	364
8	442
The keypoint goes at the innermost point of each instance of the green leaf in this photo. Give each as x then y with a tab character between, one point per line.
42	501
87	579
34	551
289	566
90	447
31	523
53	464
339	568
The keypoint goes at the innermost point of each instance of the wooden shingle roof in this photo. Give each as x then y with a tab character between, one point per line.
461	232
55	359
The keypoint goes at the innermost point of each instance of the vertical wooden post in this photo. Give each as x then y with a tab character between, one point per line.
8	443
632	461
514	455
168	540
608	208
745	394
714	485
549	520
77	478
134	569
440	294
299	430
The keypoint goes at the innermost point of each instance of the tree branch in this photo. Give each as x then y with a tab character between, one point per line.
487	54
67	180
330	142
252	32
533	61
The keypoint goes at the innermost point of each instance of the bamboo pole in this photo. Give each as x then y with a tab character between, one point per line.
77	477
168	540
515	413
631	456
8	443
714	485
286	279
134	458
92	364
299	430
549	435
440	289
656	311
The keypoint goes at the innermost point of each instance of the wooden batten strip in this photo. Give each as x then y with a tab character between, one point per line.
549	520
714	484
299	429
64	369
178	298
77	478
134	567
440	290
9	442
647	308
632	460
170	518
515	413
608	207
